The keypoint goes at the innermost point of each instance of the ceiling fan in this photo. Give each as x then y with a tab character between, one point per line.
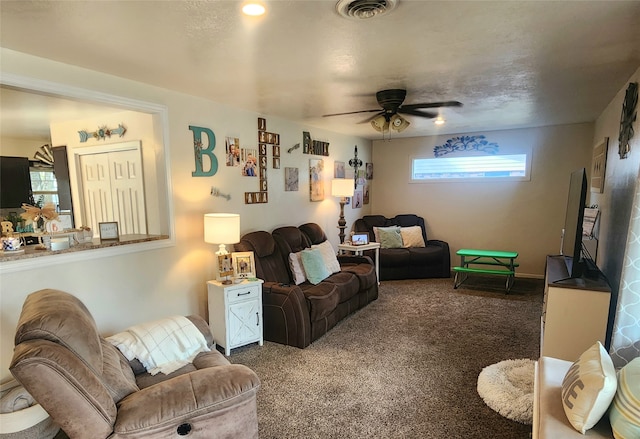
391	103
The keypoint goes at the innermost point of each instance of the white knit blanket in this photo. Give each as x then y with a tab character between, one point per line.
163	345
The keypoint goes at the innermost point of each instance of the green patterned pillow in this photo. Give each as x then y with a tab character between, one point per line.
624	413
390	237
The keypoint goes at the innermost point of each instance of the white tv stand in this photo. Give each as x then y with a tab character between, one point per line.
574	311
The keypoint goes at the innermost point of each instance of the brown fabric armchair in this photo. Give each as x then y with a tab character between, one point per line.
91	391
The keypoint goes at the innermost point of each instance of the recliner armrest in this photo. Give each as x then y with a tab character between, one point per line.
285	314
354	259
160	409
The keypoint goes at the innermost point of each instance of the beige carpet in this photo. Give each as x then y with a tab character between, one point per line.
405	366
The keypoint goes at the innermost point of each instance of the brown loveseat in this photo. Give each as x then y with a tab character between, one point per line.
91	391
297	315
430	261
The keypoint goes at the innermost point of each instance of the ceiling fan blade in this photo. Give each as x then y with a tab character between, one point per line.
351	112
432	105
369	119
418	113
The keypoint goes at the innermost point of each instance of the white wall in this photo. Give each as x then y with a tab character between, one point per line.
526	216
127	289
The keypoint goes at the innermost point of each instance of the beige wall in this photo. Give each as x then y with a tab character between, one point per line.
525	216
130	288
20	147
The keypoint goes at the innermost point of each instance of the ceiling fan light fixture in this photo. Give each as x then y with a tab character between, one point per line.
398	123
439	120
380	124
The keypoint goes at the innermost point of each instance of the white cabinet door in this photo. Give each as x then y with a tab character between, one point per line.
244	322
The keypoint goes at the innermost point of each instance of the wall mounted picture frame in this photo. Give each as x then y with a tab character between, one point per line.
316	179
232	149
599	166
290	179
244	265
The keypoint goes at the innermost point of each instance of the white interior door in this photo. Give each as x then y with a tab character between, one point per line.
96	190
127	190
113	190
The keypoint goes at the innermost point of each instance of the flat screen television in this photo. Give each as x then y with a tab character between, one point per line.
15	182
572	238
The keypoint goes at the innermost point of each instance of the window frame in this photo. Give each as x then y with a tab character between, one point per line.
526	177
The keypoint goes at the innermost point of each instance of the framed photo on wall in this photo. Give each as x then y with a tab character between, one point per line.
244	265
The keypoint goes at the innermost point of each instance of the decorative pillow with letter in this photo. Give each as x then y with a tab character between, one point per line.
328	255
624	413
588	388
412	236
314	265
295	263
389	237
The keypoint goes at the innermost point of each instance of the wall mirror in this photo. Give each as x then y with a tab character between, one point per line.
34	113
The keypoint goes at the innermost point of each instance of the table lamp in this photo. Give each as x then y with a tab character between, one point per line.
343	188
221	229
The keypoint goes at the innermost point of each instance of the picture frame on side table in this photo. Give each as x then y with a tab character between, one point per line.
244	265
360	239
108	231
225	268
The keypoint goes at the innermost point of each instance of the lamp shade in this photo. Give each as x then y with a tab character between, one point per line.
399	123
221	228
342	187
380	123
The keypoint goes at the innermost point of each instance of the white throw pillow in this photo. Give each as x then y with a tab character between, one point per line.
297	270
328	256
588	388
412	236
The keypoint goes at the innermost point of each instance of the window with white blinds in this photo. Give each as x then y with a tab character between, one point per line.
492	167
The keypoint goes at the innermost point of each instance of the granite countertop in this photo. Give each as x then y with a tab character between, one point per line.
30	251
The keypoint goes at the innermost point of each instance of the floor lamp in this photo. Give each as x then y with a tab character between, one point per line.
343	188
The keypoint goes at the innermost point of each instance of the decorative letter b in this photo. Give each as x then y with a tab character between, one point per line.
201	151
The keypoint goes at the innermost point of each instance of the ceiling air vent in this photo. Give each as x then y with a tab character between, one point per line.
363	9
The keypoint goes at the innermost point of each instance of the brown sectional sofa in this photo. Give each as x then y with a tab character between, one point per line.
297	315
430	261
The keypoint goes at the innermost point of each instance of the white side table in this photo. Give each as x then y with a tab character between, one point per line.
235	313
359	250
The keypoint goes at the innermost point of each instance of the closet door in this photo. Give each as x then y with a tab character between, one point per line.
127	191
113	190
96	190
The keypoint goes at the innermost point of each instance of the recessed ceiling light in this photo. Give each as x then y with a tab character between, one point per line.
253	8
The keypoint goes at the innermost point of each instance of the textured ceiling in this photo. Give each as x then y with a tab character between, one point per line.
512	64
